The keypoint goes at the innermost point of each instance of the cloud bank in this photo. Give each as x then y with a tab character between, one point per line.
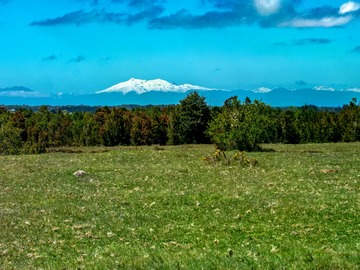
142	10
267	7
218	14
81	17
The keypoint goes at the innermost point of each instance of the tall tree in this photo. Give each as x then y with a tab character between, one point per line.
10	139
194	116
349	120
241	126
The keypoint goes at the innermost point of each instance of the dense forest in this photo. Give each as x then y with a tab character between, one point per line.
241	125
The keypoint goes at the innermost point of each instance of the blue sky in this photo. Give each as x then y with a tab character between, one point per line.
88	45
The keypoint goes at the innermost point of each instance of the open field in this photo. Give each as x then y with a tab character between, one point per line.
165	208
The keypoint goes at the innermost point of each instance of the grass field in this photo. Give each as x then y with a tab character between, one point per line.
165	208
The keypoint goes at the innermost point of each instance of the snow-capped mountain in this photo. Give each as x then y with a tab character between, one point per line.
262	90
161	92
324	88
142	86
354	89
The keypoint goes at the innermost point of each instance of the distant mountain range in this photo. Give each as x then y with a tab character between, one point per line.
16	89
161	92
144	86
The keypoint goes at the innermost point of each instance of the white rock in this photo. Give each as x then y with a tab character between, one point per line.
79	173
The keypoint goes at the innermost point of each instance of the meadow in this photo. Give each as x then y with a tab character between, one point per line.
157	207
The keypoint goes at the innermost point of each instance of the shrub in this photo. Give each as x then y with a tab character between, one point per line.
240	126
10	140
221	158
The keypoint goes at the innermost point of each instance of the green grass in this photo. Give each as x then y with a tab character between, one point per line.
154	208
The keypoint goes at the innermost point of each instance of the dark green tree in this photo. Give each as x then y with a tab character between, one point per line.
10	139
349	121
305	123
288	133
38	131
241	126
193	118
89	130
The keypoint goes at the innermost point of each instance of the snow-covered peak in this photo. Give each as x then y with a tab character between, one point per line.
142	86
262	90
354	89
351	89
324	88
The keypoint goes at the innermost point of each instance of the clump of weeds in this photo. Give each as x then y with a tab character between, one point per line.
239	158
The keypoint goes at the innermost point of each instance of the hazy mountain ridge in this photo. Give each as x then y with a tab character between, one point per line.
16	89
161	92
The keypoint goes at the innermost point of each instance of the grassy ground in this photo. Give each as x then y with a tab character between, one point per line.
165	208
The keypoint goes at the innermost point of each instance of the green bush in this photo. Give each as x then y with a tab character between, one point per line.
10	140
240	126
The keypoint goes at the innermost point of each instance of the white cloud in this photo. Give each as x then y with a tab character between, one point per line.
24	94
349	7
323	22
267	7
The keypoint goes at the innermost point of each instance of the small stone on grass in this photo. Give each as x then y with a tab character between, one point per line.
79	173
326	171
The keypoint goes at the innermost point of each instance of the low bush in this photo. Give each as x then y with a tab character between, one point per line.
239	158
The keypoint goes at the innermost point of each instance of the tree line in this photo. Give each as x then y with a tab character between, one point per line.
241	125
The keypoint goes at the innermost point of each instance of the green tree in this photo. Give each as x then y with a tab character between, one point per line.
18	120
89	130
192	119
37	131
349	121
159	125
10	139
288	133
173	130
240	126
305	123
